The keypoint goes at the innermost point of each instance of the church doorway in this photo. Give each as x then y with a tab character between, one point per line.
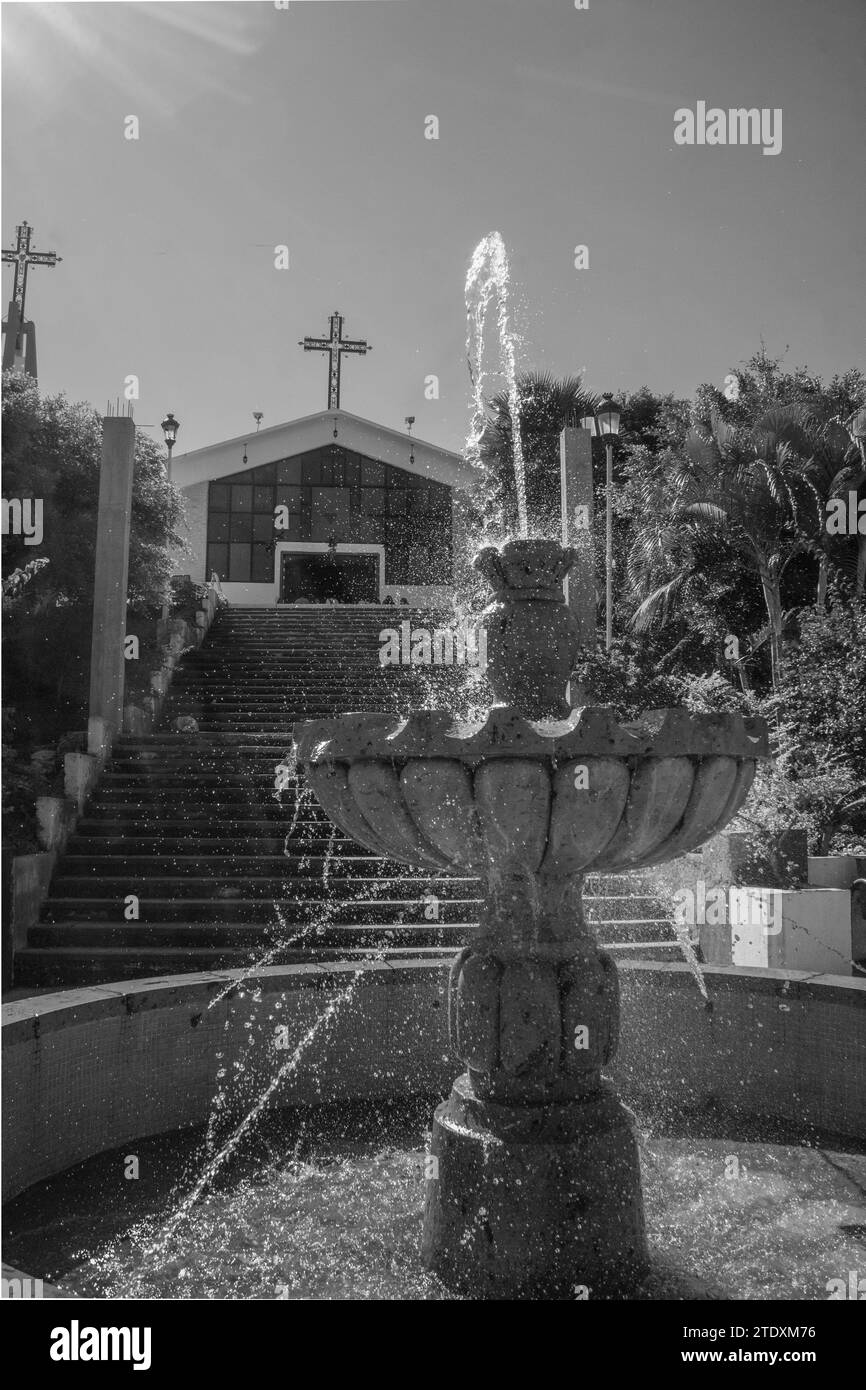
329	578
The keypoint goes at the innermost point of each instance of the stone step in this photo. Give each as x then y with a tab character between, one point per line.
223	865
134	830
76	965
302	883
188	777
644	950
265	910
207	794
202	934
248	908
46	967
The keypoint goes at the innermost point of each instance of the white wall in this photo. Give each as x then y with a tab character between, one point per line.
194	532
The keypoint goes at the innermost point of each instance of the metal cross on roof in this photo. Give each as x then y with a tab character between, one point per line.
335	346
22	257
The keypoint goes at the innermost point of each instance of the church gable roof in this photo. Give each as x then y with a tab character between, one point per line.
311	432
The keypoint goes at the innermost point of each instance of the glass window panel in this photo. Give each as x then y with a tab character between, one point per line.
218	528
218	497
263	527
311	471
291	497
397	502
218	559
239	562
289	470
264	475
262	565
240	526
329	513
363	528
373	500
263	499
236	478
242	499
351	471
372	473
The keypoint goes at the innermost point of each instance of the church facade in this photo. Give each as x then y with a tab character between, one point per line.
328	508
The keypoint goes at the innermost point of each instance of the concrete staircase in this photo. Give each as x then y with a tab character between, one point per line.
225	867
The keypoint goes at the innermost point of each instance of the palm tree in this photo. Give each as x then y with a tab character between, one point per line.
749	490
831	461
546	406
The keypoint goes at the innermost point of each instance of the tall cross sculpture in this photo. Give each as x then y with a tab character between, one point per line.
335	346
22	257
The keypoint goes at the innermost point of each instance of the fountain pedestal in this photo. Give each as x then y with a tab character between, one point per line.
537	1193
535	1153
537	1201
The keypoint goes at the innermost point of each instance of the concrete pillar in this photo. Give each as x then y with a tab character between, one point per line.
31	877
575	464
51	822
80	771
109	587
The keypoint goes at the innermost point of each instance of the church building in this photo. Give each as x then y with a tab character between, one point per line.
327	508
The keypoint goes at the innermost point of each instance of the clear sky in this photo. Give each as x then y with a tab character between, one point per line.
305	127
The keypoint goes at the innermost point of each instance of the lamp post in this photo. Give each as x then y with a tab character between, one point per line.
606	422
170	428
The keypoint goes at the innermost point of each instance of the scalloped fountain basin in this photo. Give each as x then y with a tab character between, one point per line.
542	797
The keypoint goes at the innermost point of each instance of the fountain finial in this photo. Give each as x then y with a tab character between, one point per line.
532	636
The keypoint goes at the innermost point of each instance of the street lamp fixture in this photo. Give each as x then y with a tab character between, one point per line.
170	428
608	414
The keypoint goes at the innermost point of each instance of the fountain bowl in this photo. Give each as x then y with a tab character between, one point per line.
554	798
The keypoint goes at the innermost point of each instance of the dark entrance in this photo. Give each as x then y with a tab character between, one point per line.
320	578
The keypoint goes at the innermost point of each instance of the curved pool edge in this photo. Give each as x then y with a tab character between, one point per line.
91	1069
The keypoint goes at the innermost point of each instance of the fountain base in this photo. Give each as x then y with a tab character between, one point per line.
537	1201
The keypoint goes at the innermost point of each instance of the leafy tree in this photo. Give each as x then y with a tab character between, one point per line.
819	709
546	406
746	487
760	383
52	451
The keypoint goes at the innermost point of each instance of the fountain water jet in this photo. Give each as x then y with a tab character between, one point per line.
489	276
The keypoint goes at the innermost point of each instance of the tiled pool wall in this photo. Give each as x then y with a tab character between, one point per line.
89	1070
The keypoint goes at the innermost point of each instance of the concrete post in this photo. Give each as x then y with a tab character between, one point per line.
575	464
109	587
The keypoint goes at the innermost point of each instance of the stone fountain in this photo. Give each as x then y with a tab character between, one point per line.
538	1189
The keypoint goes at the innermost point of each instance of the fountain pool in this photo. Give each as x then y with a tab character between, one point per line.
324	1199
